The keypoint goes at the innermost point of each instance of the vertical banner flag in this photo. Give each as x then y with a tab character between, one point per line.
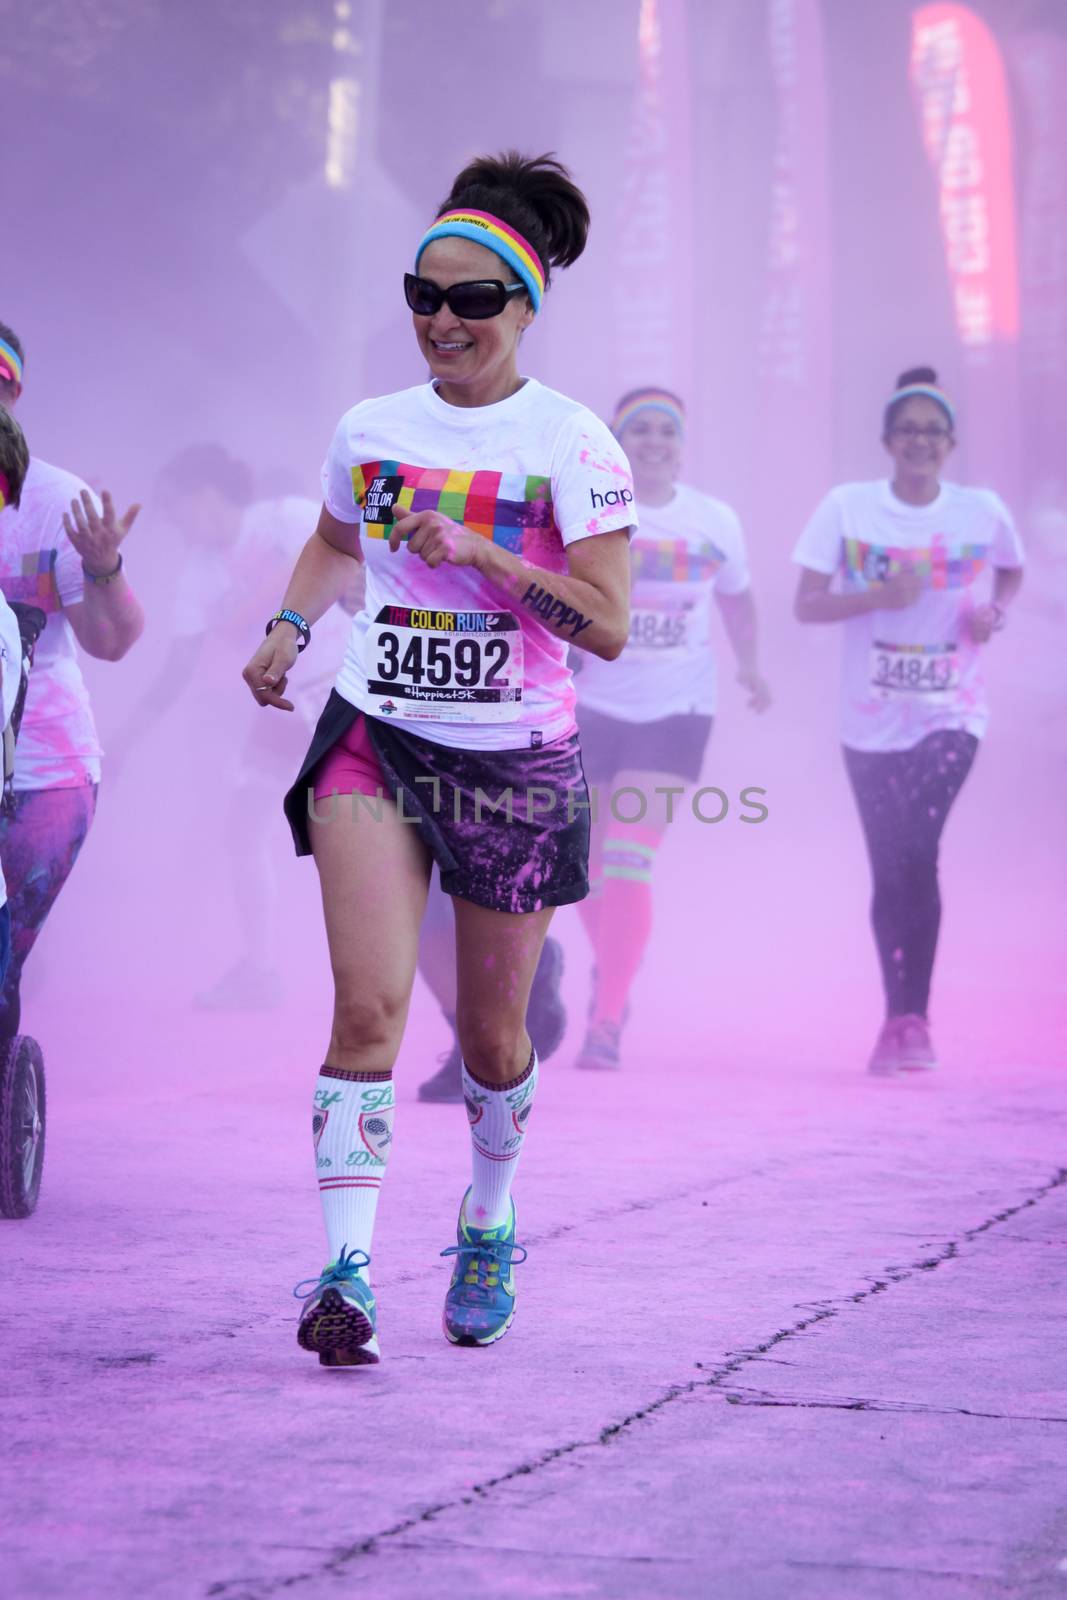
958	80
1040	62
654	265
795	371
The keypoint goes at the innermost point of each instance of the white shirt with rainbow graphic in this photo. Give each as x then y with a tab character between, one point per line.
686	550
911	672
58	747
441	651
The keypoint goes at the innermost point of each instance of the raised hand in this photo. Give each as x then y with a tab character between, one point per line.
97	535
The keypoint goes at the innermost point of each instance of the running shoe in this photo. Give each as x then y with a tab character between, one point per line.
546	1016
446	1084
601	1050
902	1046
915	1050
480	1303
340	1313
590	1013
884	1060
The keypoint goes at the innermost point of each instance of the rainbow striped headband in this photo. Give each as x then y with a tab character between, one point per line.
484	228
931	393
647	400
10	358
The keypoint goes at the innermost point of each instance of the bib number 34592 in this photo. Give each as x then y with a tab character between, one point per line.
445	666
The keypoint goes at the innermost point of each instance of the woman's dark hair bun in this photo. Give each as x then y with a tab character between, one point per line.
916	375
535	195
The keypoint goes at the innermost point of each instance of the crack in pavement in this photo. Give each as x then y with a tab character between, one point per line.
542	1554
343	1557
911	1572
761	1397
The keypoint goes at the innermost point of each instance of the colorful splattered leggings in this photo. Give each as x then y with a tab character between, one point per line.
38	847
904	798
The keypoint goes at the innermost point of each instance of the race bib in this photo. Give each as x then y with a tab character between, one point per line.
913	669
659	628
445	666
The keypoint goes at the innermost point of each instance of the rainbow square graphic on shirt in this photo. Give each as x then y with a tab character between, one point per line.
501	506
35	583
940	565
675	561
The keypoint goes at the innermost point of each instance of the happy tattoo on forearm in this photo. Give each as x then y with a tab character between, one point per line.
554	611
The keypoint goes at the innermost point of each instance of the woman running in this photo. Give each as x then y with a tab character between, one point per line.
908	556
493	517
645	722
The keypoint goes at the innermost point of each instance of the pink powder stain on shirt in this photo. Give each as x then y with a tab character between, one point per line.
587	458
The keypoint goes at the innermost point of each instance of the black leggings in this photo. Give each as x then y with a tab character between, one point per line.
904	798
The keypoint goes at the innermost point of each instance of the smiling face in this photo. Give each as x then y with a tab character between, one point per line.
653	447
919	439
475	363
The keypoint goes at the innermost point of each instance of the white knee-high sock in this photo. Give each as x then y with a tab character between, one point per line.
353	1130
498	1115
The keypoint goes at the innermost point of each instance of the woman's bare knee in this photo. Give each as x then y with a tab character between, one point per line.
495	1047
368	1027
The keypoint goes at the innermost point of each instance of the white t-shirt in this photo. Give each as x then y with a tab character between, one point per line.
58	746
10	678
911	672
686	550
443	652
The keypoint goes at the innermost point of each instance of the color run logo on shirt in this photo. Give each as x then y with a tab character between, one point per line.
36	583
675	561
940	566
499	506
381	497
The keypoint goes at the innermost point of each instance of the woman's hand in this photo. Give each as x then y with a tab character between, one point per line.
97	535
757	688
436	538
268	670
896	593
983	622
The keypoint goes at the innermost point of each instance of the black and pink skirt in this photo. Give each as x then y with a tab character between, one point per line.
509	829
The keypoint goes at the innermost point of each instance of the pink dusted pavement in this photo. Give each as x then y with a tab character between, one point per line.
799	1334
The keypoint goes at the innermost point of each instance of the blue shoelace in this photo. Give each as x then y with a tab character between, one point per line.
485	1261
339	1272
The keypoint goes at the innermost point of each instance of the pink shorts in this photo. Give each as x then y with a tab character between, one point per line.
350	766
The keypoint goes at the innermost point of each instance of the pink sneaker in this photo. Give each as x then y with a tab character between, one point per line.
916	1052
885	1059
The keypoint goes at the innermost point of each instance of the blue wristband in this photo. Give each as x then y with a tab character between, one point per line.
298	622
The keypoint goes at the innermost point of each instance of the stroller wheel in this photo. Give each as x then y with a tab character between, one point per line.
22	1126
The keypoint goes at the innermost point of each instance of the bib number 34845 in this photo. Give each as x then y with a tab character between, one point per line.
445	666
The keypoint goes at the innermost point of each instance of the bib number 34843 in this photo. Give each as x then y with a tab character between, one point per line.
445	666
913	669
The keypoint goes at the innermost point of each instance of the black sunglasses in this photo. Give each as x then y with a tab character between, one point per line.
474	301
